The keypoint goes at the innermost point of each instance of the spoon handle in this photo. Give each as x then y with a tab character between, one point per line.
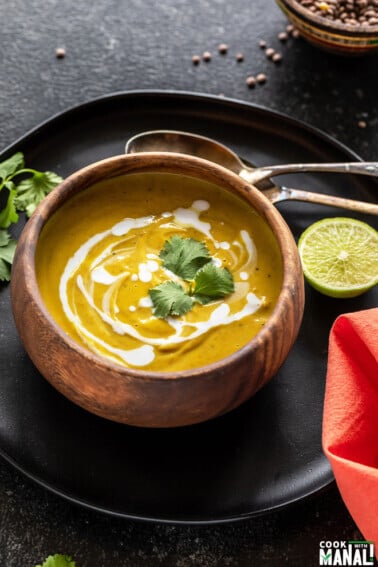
362	168
277	194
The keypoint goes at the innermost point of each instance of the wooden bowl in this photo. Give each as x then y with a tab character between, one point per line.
336	37
139	397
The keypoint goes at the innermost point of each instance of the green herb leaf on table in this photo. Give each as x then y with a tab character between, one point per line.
7	248
12	165
22	196
212	283
58	560
170	298
184	256
32	190
9	214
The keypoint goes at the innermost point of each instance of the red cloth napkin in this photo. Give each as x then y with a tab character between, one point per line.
350	421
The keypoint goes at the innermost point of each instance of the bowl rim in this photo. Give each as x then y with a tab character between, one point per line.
338	29
158	161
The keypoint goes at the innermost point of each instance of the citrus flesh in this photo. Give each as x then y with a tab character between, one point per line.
340	256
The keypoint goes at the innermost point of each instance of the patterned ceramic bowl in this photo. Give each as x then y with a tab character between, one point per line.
334	36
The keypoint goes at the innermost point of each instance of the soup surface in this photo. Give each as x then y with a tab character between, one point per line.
98	258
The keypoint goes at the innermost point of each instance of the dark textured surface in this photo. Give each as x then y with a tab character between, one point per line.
113	46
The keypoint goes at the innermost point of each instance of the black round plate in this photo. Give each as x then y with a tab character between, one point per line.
262	456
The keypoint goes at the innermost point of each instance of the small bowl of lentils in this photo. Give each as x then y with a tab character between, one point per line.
348	27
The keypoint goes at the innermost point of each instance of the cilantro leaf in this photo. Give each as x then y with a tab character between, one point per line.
212	283
170	298
58	560
11	165
9	214
184	256
31	191
7	248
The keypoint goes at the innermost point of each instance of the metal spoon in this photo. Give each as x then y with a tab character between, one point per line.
200	146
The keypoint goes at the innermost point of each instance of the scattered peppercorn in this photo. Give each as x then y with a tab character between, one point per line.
60	52
223	48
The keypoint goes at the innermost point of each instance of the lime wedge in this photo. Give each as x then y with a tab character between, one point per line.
340	256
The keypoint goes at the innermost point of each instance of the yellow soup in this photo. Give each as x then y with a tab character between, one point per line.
98	257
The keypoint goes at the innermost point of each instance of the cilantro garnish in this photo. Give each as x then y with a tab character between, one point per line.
212	283
31	191
191	261
7	248
58	560
9	214
184	256
23	195
170	298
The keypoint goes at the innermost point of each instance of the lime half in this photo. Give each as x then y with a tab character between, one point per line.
340	256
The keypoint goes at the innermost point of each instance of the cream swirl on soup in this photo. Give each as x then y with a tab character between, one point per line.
105	274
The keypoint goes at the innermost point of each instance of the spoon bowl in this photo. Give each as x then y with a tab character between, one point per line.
211	150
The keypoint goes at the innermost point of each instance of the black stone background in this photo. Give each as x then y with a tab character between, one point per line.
117	45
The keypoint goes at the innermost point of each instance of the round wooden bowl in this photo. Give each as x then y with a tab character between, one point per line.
336	37
140	397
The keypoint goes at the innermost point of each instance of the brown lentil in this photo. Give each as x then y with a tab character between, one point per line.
283	36
206	56
350	12
277	57
269	52
223	48
261	78
251	82
196	59
362	124
239	57
262	44
60	52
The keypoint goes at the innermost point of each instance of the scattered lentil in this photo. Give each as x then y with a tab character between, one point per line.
239	57
261	78
60	52
223	48
251	82
362	124
277	57
262	44
295	34
269	52
283	36
206	56
196	59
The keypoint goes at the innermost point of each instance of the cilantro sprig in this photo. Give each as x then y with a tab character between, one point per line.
58	560
190	260
21	194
